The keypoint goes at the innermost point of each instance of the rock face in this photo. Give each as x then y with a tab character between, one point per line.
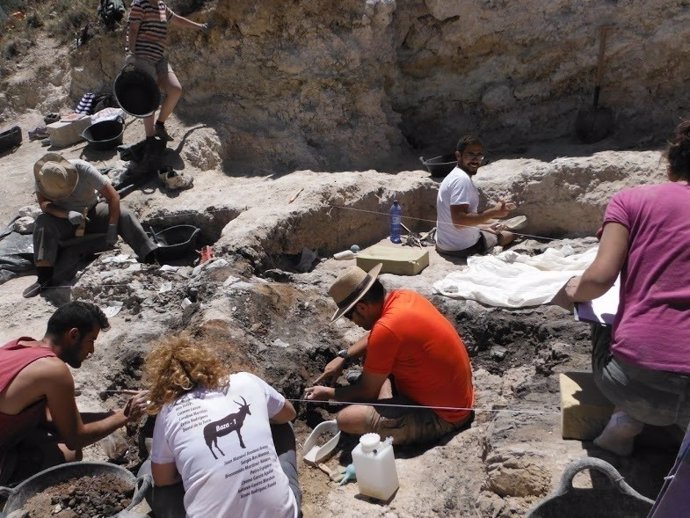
355	84
567	196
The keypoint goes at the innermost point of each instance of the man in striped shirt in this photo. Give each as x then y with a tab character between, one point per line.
146	45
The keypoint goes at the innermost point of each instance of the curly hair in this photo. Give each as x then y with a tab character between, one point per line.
177	365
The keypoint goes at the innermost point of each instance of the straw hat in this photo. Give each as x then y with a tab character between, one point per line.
56	176
350	287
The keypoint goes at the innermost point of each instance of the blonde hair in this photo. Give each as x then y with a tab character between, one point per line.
177	365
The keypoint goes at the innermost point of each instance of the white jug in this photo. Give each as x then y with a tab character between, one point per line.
375	466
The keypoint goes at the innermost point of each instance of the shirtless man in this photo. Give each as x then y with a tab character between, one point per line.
40	425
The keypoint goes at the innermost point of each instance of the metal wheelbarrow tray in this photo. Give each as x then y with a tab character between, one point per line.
18	496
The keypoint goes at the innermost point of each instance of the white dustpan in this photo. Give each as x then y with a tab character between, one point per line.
314	449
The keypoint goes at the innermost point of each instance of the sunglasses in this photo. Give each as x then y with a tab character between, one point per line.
350	313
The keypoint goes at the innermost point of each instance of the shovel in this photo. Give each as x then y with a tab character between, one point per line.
596	123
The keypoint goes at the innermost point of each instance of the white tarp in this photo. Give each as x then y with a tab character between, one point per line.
513	280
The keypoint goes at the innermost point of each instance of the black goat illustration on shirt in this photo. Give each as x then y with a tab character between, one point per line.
230	423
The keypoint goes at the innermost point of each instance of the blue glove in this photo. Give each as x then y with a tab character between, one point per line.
111	235
75	218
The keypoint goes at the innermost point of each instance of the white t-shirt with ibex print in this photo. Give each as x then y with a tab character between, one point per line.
221	443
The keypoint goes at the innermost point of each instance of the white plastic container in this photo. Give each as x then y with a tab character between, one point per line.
375	466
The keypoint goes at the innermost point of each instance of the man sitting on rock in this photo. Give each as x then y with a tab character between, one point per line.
410	340
461	230
67	192
40	425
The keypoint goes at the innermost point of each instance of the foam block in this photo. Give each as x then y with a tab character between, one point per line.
66	133
400	260
584	409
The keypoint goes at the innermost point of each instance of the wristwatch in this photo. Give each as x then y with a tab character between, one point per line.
343	354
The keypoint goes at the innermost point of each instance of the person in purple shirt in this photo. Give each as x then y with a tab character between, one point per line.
642	363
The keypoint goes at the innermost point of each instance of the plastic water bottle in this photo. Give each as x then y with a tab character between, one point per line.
396	221
375	466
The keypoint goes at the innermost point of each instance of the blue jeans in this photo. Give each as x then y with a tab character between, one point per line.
657	398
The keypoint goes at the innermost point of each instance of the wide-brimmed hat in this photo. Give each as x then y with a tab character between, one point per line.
350	287
56	176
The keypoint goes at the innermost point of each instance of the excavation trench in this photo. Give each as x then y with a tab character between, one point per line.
262	314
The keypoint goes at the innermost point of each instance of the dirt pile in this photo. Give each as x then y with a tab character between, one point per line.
90	496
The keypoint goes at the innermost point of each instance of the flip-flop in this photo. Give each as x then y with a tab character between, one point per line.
313	451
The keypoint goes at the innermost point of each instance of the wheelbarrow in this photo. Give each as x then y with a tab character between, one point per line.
614	500
18	496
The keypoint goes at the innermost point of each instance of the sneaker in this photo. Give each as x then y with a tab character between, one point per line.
161	132
35	289
174	180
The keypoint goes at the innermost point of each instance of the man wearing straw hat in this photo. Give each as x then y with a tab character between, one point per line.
67	192
412	342
40	425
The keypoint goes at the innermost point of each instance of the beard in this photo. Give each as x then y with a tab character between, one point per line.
71	355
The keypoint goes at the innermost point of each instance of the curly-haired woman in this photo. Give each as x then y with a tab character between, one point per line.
226	437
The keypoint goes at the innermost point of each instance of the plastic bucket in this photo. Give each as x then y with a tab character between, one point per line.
439	166
105	134
136	92
615	499
176	242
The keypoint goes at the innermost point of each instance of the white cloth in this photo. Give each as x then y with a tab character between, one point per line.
513	280
455	189
241	481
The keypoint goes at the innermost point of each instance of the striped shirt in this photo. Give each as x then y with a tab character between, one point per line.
152	18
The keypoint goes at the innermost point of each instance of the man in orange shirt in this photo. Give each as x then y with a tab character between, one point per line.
410	341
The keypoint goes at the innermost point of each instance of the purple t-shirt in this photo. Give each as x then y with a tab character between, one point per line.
652	327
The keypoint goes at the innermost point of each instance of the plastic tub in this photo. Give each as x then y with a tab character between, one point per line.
136	92
176	242
440	166
105	134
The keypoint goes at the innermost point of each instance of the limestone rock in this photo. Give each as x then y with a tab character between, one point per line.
567	196
514	472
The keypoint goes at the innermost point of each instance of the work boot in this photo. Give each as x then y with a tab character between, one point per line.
619	435
43	280
161	131
36	288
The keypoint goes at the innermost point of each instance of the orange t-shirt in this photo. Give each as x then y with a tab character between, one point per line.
415	343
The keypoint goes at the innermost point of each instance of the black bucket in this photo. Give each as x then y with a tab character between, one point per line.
176	242
105	134
440	166
614	499
136	92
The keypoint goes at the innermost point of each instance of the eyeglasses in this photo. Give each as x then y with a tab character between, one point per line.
478	156
350	313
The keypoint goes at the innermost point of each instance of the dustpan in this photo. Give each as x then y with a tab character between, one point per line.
317	446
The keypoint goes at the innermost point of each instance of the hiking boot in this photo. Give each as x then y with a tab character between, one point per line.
161	132
36	288
173	180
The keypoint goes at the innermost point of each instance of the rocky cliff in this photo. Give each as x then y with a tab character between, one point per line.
359	84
